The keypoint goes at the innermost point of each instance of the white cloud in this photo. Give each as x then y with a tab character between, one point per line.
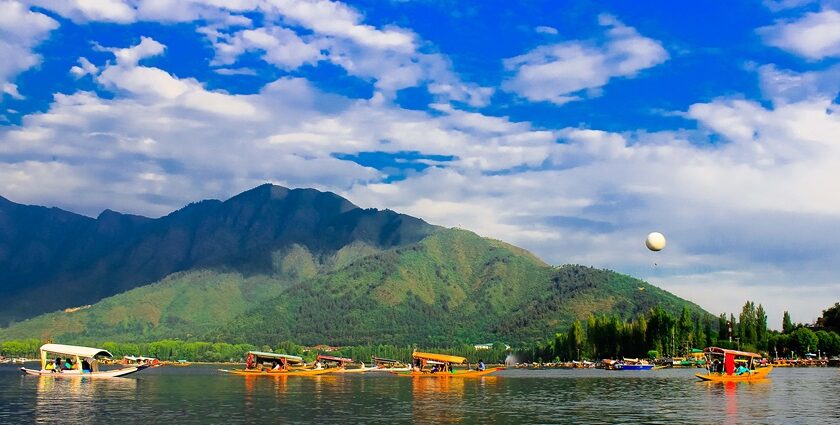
816	35
562	72
20	31
85	67
283	48
546	30
90	10
787	86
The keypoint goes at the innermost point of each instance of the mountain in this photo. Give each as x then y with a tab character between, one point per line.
274	264
52	259
452	286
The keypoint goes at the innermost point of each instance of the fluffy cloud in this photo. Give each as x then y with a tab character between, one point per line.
562	72
815	35
20	30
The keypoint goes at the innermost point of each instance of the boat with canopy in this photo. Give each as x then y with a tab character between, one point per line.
441	367
724	365
82	362
260	363
339	364
389	365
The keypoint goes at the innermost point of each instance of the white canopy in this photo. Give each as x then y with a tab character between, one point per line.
74	350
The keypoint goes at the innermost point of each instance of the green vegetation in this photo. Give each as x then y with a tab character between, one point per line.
657	333
452	287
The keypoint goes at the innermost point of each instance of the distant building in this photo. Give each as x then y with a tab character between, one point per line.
488	346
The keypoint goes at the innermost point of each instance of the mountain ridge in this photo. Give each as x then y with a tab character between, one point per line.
52	251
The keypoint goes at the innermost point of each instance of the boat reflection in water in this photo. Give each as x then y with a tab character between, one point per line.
437	400
78	400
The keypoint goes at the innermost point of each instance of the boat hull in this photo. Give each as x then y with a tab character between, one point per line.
756	375
441	375
116	373
299	372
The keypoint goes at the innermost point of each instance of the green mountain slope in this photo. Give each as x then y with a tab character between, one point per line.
453	286
79	260
184	305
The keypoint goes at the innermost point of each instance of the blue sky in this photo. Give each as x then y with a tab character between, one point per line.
569	128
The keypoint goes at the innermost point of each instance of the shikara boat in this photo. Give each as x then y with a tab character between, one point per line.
259	363
335	364
441	367
720	366
79	356
388	365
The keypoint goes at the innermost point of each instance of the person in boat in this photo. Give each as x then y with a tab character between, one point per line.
434	368
481	366
276	366
741	369
86	366
57	365
68	364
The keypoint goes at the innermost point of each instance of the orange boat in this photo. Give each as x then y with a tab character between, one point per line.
720	366
260	363
441	367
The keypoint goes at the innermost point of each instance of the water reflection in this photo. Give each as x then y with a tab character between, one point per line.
75	400
202	395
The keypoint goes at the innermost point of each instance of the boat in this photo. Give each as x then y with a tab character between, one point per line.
442	367
633	364
79	356
720	366
260	363
382	364
339	364
138	360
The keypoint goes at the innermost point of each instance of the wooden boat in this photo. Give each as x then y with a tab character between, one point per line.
382	364
78	354
724	371
278	365
335	364
442	367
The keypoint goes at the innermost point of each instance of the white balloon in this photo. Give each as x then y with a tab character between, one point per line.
655	241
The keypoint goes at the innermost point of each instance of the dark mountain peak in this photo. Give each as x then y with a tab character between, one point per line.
108	214
293	198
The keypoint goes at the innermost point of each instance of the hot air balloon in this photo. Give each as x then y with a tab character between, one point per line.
655	241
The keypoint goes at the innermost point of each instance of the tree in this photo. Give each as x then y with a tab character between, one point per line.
734	331
685	329
831	317
746	326
761	328
723	327
804	340
787	324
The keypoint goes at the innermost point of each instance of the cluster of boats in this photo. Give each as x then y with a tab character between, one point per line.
722	365
85	362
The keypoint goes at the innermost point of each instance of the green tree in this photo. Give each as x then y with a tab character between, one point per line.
831	317
787	324
685	331
576	340
761	328
746	325
804	340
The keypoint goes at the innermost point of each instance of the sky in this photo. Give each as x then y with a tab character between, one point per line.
569	128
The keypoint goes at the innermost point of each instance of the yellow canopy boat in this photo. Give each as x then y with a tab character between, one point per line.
720	366
441	367
260	363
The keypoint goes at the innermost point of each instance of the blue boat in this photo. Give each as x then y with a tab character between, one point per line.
636	367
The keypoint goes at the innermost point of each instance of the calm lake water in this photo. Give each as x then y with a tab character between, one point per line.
201	394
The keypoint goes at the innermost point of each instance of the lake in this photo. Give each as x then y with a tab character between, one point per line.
201	394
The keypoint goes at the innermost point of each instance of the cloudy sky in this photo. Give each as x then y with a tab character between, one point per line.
569	128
